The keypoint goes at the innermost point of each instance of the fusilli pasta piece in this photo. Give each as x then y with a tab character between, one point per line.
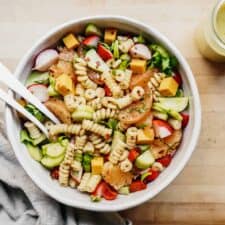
79	90
72	183
96	128
69	156
70	102
76	165
126	165
65	128
154	84
80	142
122	126
95	103
100	144
103	114
137	93
80	66
100	92
33	131
78	155
109	102
92	183
84	181
112	63
123	77
64	172
89	94
117	152
124	155
131	137
89	147
111	83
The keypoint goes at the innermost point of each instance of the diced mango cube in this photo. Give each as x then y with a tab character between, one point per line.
110	35
145	136
138	65
70	41
168	87
64	85
97	165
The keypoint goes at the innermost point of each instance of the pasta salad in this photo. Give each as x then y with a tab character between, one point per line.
121	105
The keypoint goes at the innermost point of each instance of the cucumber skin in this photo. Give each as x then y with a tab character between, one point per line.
34	152
92	29
37	78
177	104
50	163
145	160
49	149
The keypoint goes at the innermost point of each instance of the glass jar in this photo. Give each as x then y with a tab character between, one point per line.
210	34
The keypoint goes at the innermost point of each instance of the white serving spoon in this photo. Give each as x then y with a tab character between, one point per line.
7	78
14	104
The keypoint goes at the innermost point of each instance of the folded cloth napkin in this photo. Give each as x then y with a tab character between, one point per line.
23	203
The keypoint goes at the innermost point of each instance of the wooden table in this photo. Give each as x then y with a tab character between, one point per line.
197	196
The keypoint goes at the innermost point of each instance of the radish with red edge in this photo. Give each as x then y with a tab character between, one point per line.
105	53
162	129
177	78
91	41
45	59
140	51
40	91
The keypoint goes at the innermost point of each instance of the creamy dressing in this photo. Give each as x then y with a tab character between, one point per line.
210	35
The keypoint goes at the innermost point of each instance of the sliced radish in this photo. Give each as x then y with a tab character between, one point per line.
140	51
40	91
162	129
91	41
45	59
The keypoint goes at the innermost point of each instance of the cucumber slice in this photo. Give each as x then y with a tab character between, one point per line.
124	190
160	115
37	141
116	53
177	103
145	160
117	136
50	163
91	29
176	115
37	78
159	107
95	62
83	112
34	152
53	150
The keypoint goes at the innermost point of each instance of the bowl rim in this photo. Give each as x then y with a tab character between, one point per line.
189	149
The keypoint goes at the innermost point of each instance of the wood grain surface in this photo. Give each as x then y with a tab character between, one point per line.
197	196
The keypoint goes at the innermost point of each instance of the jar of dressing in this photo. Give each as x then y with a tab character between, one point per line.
210	35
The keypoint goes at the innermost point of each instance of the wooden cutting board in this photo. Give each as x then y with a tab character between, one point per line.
197	196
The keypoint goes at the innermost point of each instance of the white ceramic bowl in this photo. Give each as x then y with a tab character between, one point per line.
72	197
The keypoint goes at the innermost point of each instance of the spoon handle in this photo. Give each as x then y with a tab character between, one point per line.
10	101
9	80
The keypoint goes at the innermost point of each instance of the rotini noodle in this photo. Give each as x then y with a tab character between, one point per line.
126	165
154	84
89	147
33	131
80	142
131	137
64	172
117	152
84	181
95	103
89	94
103	114
100	144
96	128
65	128
137	93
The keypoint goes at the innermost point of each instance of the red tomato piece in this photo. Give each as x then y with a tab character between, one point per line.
105	53
133	154
185	119
105	191
177	78
165	161
55	173
137	186
107	91
154	174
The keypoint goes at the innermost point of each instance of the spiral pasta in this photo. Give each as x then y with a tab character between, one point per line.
131	137
124	155
154	84
109	102
126	165
92	183
95	103
76	165
112	63
80	66
72	102
137	93
72	183
65	128
100	92
78	155
79	90
122	126
111	83
64	172
96	128
103	114
100	144
84	181
89	94
117	152
89	147
34	132
69	156
80	142
124	78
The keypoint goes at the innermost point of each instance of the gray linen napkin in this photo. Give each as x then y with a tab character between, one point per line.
23	203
